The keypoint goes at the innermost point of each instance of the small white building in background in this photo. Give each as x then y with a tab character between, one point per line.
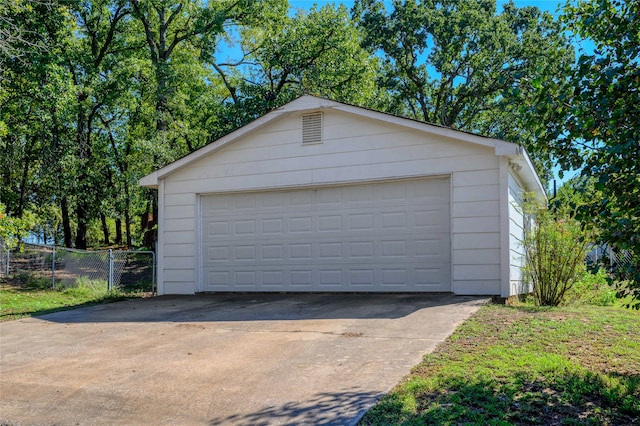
320	196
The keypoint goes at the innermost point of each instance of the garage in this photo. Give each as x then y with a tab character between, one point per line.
380	237
322	196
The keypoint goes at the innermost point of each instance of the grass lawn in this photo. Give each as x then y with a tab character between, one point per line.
524	365
19	300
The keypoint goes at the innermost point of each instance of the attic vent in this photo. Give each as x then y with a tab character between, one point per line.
312	128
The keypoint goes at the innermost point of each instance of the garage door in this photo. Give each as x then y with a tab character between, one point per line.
381	237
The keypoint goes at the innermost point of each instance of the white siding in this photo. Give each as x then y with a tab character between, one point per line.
475	214
354	149
516	237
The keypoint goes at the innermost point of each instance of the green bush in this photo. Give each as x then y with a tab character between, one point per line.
592	289
555	249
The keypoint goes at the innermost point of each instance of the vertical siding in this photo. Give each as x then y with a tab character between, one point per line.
354	149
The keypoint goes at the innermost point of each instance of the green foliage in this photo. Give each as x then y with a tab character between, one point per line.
599	134
555	249
12	229
525	365
592	289
316	52
468	66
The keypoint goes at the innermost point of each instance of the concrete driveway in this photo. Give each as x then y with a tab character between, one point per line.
219	359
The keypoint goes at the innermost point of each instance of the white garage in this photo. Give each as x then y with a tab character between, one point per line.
319	196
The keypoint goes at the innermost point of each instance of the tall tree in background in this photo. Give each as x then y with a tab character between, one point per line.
170	25
601	135
35	92
466	66
92	60
317	52
195	26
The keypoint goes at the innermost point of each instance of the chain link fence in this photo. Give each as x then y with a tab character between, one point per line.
118	269
4	259
605	256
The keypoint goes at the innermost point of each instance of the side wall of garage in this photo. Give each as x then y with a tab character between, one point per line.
517	229
353	149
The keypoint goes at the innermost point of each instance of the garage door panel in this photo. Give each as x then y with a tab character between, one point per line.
391	236
272	225
342	252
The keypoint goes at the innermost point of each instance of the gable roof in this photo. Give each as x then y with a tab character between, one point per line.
514	152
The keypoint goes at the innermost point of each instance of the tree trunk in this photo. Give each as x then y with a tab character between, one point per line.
146	223
149	221
81	231
23	187
118	231
105	228
127	219
66	224
82	141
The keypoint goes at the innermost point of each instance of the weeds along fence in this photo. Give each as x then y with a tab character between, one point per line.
118	269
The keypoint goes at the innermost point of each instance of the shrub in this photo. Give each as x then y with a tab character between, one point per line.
555	250
592	289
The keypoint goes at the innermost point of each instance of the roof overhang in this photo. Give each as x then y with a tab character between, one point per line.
522	165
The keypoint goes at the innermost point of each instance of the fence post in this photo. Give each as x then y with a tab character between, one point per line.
6	264
610	257
110	283
53	267
154	271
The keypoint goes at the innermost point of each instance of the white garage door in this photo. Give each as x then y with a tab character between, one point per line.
381	237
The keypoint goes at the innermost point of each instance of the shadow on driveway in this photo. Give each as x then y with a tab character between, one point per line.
258	307
329	408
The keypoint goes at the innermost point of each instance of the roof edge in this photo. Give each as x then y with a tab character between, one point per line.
309	103
501	147
150	180
523	166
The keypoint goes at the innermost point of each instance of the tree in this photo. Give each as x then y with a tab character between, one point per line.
555	249
173	24
466	66
317	52
601	134
12	229
92	60
171	27
18	37
35	91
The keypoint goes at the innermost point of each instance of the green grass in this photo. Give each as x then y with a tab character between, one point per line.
522	365
33	296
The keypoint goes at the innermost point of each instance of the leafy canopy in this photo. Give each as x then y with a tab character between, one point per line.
467	66
601	133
